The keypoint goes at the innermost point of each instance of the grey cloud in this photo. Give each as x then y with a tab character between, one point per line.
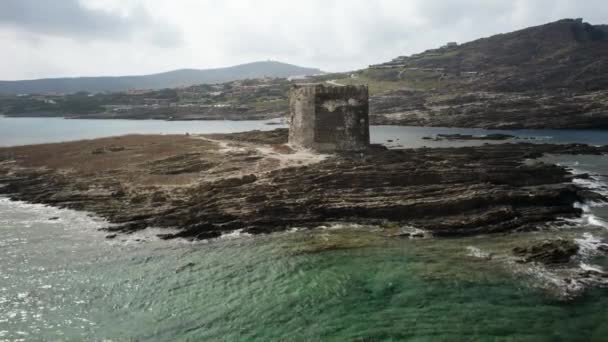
334	35
69	18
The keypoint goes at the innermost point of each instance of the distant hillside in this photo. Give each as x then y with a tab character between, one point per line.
564	54
548	76
171	79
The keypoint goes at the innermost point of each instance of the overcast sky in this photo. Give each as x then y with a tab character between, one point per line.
123	37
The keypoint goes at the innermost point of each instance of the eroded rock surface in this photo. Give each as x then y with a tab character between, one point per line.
207	186
492	109
558	251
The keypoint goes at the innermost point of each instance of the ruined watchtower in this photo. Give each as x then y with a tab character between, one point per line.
329	118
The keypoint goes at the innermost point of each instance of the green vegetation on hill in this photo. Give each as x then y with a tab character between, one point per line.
78	103
172	79
567	53
384	80
257	98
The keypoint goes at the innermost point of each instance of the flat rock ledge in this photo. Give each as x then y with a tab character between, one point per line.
208	186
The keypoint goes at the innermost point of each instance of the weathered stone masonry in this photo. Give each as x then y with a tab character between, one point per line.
329	118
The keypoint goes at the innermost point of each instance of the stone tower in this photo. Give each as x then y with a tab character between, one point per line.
329	118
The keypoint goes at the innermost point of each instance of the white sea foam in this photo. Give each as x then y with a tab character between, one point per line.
585	207
144	235
588	245
594	183
341	226
561	284
478	253
593	268
587	219
234	235
39	213
596	221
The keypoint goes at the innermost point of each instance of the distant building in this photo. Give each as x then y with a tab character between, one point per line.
449	45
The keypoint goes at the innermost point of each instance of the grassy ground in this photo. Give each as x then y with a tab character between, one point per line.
270	106
384	80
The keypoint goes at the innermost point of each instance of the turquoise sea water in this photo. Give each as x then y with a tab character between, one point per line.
61	280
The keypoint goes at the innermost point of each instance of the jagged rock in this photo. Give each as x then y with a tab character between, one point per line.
548	252
590	196
495	136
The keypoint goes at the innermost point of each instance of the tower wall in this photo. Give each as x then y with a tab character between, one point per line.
329	118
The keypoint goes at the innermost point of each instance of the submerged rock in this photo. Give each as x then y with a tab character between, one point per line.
495	136
558	251
185	267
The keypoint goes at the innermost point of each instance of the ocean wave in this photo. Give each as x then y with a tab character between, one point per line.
593	183
587	219
478	253
588	245
592	268
594	220
237	234
339	226
561	285
27	214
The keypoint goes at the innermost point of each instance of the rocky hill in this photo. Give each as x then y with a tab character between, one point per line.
549	76
564	54
172	79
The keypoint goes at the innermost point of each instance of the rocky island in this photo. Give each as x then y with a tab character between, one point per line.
209	185
255	182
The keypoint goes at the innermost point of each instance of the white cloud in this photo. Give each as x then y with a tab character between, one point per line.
113	37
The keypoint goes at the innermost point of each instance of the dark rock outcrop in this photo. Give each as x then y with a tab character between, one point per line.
495	136
548	252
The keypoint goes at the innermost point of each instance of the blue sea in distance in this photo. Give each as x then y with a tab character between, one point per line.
23	131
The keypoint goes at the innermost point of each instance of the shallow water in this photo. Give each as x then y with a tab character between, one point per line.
411	137
60	279
23	131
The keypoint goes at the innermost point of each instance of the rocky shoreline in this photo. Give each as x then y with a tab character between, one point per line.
207	186
492	109
462	108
